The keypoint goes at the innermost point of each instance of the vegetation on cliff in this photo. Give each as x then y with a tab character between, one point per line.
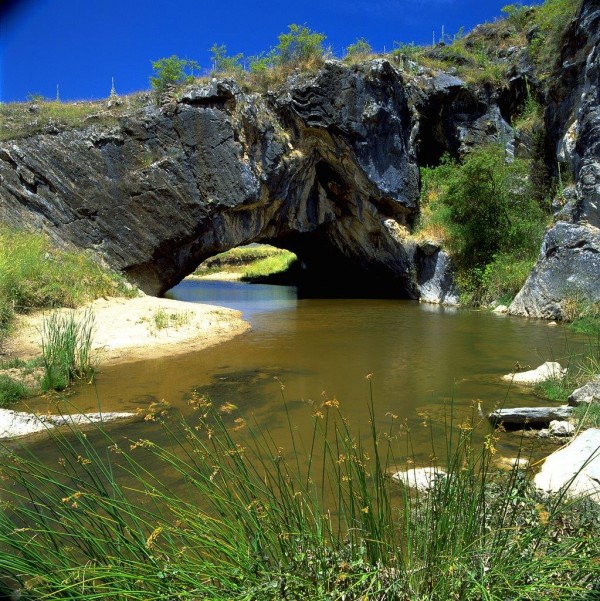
483	210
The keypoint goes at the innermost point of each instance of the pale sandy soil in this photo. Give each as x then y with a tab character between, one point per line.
126	329
219	275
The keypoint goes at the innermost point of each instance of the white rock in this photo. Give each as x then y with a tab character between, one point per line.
561	428
576	466
421	478
14	424
551	370
501	309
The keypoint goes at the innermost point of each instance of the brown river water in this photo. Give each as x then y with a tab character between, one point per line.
421	357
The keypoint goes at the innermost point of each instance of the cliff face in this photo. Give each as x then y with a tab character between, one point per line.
568	268
170	186
327	167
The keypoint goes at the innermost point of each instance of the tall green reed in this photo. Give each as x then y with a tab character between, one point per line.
318	518
66	349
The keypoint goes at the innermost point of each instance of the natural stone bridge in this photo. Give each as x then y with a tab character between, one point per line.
326	168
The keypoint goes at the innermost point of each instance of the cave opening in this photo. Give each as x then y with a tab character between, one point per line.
309	261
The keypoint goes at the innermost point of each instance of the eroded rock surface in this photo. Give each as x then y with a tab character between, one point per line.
325	169
587	394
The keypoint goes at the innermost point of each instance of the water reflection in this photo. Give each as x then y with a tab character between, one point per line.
249	299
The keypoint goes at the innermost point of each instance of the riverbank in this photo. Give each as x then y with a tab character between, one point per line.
132	329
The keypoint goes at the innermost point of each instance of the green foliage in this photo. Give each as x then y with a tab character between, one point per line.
360	48
171	71
11	391
35	275
66	349
269	266
246	521
299	45
491	210
517	15
556	390
588	416
225	64
551	20
483	211
262	62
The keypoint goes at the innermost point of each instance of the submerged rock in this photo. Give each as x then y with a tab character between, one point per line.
421	478
574	468
551	370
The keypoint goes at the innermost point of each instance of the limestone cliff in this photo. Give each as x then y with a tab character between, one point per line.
568	268
327	167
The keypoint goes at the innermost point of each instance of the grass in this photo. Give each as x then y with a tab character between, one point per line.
66	349
36	275
161	319
317	519
253	261
11	391
263	268
581	369
588	416
22	119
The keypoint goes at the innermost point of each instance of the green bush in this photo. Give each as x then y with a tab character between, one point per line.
491	208
11	391
221	63
360	48
483	211
299	45
171	71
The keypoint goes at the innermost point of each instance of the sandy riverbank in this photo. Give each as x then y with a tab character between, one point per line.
130	329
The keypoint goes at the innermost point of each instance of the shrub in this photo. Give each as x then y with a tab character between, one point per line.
483	211
360	48
299	45
517	15
491	208
171	71
221	63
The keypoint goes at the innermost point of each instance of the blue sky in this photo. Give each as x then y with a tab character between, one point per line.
81	44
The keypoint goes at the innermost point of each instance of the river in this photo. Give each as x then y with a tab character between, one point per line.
421	359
